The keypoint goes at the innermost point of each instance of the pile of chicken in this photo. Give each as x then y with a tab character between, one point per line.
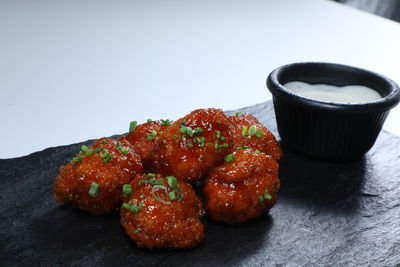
147	174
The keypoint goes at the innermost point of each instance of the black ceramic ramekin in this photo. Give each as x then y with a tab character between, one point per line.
326	130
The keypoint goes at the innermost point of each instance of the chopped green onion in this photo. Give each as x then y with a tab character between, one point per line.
216	146
182	122
132	126
76	159
172	195
135	208
100	149
252	130
172	182
200	140
189	144
151	135
217	134
108	158
257	151
265	196
175	136
104	142
127	190
151	175
222	138
136	231
166	122
189	131
149	120
198	131
183	129
259	134
94	189
229	158
142	195
223	145
237	114
151	181
242	147
87	150
244	131
121	148
157	188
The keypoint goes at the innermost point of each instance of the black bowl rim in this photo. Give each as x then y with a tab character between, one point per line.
382	104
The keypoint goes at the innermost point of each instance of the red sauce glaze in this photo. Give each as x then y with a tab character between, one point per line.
266	143
143	141
182	155
156	225
232	191
74	181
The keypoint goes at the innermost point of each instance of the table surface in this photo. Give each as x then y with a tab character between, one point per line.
77	70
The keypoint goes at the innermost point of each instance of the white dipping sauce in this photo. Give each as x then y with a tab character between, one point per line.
351	94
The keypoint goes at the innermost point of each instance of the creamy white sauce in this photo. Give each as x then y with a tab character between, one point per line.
350	94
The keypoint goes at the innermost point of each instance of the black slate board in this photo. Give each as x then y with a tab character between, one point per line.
336	214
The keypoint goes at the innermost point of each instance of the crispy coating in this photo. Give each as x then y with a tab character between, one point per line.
235	192
143	139
75	179
264	141
154	224
191	157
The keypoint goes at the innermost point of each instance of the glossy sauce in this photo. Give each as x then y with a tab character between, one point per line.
350	94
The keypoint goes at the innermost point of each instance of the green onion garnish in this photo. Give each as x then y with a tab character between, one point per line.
242	147
237	114
151	175
175	136
222	138
142	195
244	131
182	122
94	189
223	145
151	135
76	159
267	195
135	208
216	146
172	195
257	151
108	158
149	120
189	144
104	142
121	148
229	158
259	134
252	130
189	131
200	140
198	130
127	190
87	150
217	134
172	182
183	129
136	231
132	126
166	122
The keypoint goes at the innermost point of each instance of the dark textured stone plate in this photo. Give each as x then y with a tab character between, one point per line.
336	214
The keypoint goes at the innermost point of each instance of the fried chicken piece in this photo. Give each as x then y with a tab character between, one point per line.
143	137
242	188
193	145
247	131
93	180
161	212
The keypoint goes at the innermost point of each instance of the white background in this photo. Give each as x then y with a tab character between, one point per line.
75	70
